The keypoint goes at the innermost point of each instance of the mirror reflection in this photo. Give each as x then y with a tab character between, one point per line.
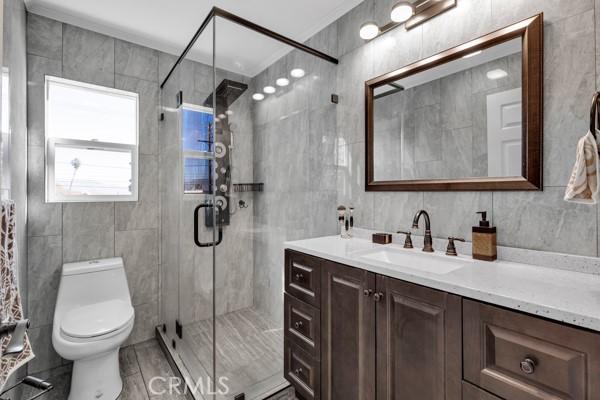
460	119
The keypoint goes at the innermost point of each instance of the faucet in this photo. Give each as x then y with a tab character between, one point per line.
428	242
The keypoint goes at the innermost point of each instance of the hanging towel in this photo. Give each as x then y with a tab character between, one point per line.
583	184
10	306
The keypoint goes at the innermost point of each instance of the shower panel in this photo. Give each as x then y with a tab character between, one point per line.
233	172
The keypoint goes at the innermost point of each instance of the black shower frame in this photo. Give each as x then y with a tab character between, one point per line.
219	12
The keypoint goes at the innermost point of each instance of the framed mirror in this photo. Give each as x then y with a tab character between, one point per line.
468	118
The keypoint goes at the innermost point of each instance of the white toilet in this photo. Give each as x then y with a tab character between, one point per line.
92	319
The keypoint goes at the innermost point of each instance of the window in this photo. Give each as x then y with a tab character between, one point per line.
197	137
91	142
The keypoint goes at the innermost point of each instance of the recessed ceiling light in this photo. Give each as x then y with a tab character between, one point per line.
369	30
269	89
258	96
282	82
475	53
402	12
497	74
297	73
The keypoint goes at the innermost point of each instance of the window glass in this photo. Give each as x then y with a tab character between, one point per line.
197	139
197	129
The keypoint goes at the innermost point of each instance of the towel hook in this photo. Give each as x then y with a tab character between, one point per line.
594	113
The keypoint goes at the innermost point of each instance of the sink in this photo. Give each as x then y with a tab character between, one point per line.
414	259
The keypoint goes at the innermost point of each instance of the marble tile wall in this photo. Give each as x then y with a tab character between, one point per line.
533	220
60	233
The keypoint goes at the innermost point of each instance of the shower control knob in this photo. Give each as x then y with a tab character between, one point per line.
298	324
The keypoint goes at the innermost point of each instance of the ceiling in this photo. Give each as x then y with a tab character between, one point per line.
169	25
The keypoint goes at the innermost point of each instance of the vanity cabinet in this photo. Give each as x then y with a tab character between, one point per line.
351	334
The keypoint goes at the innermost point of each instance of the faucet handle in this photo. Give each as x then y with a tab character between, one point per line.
451	249
407	241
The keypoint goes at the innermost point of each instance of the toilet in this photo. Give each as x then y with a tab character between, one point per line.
92	319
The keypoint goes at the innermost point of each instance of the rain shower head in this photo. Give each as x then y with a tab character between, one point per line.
227	92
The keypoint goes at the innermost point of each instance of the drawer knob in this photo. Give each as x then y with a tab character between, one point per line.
528	366
368	292
299	277
298	324
298	371
378	296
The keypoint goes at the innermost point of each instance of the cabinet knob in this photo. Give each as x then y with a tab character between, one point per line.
298	324
528	366
368	292
378	296
298	371
299	277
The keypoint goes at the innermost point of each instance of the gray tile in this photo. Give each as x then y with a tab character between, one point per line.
44	37
505	12
136	61
134	388
44	261
141	214
146	320
148	110
88	231
128	362
153	363
45	356
139	250
42	218
37	69
544	221
165	63
395	211
454	213
88	56
569	73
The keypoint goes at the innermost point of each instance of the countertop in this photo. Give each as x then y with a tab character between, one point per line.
565	296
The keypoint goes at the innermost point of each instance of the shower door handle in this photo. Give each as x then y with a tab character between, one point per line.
197	230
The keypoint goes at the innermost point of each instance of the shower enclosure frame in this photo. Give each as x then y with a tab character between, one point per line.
228	16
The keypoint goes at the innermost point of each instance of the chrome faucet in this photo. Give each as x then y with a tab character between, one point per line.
427	242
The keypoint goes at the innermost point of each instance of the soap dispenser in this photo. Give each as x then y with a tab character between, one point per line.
484	240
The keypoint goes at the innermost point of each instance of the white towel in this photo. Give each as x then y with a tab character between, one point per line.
583	184
10	306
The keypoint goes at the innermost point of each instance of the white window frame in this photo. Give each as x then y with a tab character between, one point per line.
200	155
51	195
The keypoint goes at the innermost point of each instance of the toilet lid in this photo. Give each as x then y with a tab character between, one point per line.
96	319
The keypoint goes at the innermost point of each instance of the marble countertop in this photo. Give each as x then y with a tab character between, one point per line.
565	296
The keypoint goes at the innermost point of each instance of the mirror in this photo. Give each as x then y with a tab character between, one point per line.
468	118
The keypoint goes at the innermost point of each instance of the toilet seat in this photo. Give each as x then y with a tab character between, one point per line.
96	320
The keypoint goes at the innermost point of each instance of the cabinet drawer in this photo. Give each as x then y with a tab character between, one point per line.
303	325
470	392
303	277
519	357
302	371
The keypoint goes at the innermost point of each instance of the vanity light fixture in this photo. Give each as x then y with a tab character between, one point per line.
297	73
222	116
269	89
496	74
258	96
473	54
369	30
410	13
402	12
282	82
229	112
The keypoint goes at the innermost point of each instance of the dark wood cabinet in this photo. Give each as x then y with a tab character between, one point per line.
419	353
347	333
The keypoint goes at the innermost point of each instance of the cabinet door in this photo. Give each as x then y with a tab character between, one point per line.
347	333
418	342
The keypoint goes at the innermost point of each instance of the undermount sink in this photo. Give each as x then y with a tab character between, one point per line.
414	259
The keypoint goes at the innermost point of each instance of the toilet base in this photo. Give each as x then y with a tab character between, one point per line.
96	377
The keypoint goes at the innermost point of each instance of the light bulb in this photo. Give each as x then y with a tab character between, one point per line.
369	30
297	72
269	89
496	74
282	82
402	12
258	96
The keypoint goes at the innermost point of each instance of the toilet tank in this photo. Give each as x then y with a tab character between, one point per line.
93	281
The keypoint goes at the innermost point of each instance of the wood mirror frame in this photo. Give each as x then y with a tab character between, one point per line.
531	32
